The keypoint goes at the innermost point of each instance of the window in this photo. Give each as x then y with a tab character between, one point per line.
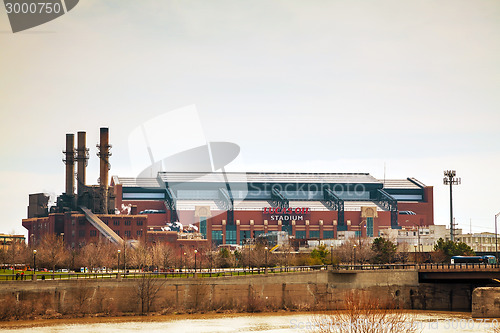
244	235
127	233
203	226
300	234
139	222
81	222
93	233
287	228
127	222
256	233
139	232
313	233
117	232
217	236
369	226
116	222
327	234
357	233
81	233
231	234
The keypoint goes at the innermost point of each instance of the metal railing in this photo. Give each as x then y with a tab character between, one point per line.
229	272
205	273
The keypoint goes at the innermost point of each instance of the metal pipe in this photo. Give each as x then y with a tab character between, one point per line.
70	164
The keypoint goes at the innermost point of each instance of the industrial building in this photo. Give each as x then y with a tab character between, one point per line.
222	207
88	214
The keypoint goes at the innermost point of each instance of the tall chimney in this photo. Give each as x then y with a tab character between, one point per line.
82	156
104	164
70	164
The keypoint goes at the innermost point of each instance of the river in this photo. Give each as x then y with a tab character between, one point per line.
435	322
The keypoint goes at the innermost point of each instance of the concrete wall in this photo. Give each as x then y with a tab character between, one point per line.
403	288
486	302
309	290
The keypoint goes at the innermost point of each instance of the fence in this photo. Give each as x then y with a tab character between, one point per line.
225	272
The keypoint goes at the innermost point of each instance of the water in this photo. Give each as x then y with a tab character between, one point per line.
435	322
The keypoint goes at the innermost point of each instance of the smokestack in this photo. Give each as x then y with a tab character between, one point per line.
82	156
104	154
70	164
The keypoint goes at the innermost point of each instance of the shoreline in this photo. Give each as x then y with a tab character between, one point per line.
156	317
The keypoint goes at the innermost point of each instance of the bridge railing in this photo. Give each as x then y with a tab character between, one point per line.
450	266
369	267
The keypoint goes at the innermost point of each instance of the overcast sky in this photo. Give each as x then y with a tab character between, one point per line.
312	86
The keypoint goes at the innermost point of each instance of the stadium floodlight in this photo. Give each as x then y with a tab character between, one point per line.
450	179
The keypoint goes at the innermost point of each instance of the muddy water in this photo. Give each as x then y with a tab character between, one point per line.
435	322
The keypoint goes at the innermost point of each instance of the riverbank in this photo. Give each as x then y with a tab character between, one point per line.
161	318
151	317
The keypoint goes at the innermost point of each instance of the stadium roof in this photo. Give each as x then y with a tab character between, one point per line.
407	183
268	177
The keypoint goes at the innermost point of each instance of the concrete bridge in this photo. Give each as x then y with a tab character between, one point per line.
474	273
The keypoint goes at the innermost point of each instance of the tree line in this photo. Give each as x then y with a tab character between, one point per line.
53	254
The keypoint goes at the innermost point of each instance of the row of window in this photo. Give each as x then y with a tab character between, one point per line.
126	222
231	235
93	233
115	222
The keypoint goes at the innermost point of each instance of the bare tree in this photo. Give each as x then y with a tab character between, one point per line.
354	250
141	256
258	256
403	252
162	255
210	253
52	252
98	255
284	256
147	290
366	314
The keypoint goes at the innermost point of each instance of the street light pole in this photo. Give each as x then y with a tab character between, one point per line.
449	179
195	252
496	238
124	259
266	258
118	267
331	254
34	261
249	247
354	261
415	253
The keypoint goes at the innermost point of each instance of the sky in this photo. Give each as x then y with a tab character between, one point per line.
401	88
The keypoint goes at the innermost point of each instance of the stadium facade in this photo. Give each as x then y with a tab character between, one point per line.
231	207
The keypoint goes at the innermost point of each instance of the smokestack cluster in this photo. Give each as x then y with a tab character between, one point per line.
81	156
